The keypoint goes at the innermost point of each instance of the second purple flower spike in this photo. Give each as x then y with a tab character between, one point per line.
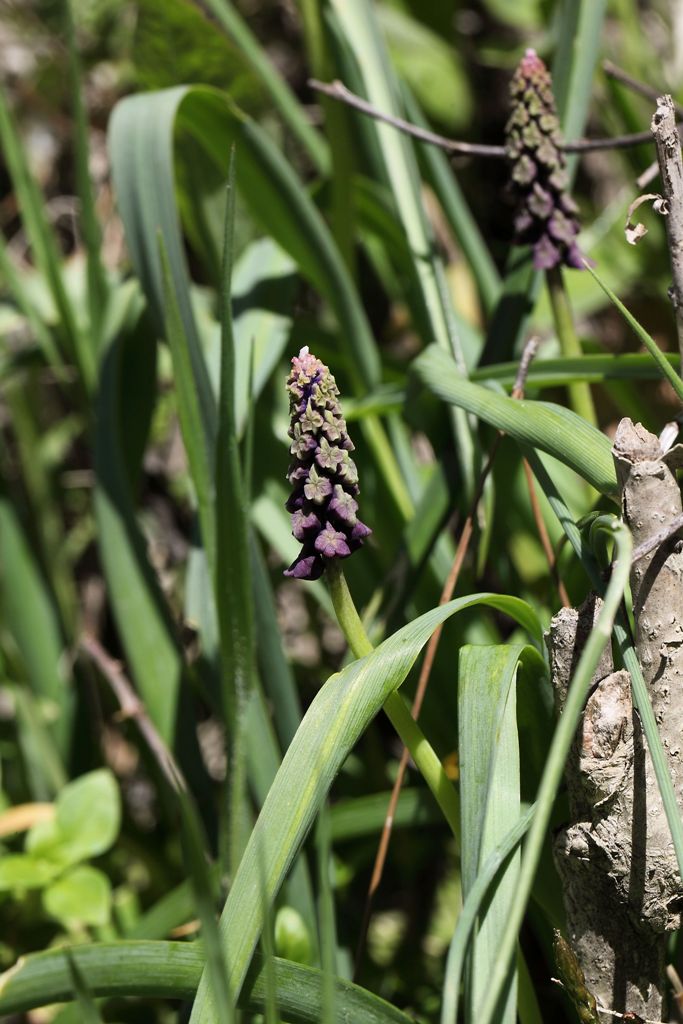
322	473
546	214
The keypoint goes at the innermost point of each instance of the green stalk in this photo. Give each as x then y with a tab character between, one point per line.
579	392
411	735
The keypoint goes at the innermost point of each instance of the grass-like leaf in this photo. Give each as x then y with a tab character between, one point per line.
196	409
557	756
284	99
76	343
439	173
32	619
90	226
594	369
662	361
486	873
333	723
139	607
87	1007
553	429
359	25
172	970
232	579
488	749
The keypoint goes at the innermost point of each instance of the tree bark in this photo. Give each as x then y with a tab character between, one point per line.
616	860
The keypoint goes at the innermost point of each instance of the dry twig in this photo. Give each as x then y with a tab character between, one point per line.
668	147
338	91
132	707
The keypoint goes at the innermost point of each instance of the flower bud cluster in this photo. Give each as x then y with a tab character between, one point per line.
322	473
546	214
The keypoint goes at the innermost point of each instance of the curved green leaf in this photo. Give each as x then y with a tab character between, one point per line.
333	723
553	429
141	145
488	747
172	970
552	373
141	134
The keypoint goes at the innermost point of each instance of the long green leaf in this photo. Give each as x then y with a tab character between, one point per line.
172	970
552	373
44	245
557	756
140	610
87	1007
141	135
365	815
663	364
359	26
204	891
580	35
31	617
264	287
14	281
90	226
284	99
333	723
232	584
553	429
45	770
488	748
468	915
193	391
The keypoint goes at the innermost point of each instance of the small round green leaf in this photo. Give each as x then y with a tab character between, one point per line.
86	824
22	871
83	896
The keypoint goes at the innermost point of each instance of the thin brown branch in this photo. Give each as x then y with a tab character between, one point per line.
635	85
336	90
132	707
449	586
668	146
614	142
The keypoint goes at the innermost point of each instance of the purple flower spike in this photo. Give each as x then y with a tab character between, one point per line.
322	473
546	214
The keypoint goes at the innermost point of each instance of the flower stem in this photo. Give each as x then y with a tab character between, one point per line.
579	393
399	715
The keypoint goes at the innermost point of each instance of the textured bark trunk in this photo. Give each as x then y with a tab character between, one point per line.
621	884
